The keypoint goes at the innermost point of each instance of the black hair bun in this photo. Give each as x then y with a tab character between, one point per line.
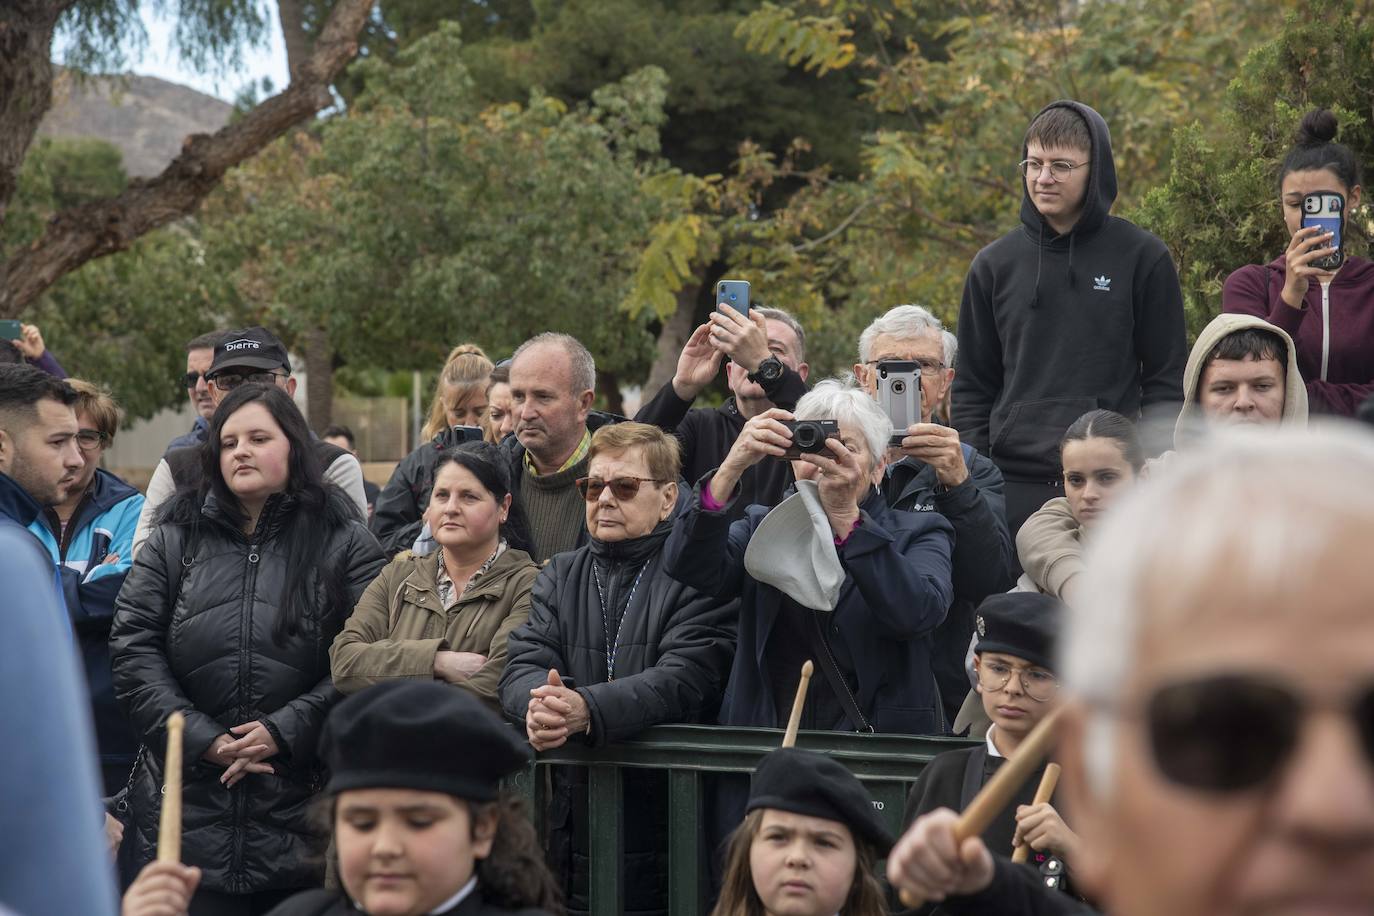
1318	126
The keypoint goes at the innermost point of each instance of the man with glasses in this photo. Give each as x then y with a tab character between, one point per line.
1072	311
766	353
89	535
200	353
936	472
247	356
1218	740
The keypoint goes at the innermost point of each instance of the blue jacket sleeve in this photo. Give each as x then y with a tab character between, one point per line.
977	509
902	573
706	551
50	813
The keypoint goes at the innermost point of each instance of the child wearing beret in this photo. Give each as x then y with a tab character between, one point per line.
1014	663
809	843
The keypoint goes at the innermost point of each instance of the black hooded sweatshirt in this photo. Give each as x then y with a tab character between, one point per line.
1052	326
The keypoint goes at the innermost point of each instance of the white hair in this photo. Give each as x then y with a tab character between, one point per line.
1264	504
846	403
907	322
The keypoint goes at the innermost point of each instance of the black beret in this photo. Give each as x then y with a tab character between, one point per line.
804	782
415	734
1022	624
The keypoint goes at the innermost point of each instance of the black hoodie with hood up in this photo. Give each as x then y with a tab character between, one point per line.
1052	326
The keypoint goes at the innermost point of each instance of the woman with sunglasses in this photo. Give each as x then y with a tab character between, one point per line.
1018	688
446	615
1102	458
612	646
227	617
90	537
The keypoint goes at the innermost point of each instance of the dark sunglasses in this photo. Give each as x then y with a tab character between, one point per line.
622	488
228	381
1230	733
192	379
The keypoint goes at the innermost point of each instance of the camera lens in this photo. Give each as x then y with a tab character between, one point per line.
805	436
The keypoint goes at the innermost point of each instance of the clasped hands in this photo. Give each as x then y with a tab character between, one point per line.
555	713
245	754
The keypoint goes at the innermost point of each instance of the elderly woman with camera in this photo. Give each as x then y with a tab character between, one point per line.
831	574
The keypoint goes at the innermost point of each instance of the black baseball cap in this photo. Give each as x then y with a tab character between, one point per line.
249	348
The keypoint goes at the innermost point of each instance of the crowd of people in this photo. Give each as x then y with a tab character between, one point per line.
360	668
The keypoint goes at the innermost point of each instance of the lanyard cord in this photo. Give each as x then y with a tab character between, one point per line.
613	646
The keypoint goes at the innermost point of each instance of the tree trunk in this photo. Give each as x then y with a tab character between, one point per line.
291	14
672	338
609	383
79	234
319	371
26	29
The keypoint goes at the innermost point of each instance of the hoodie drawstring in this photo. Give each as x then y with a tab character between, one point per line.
1072	235
1039	260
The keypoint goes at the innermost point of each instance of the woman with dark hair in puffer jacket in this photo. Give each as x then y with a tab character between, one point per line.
227	616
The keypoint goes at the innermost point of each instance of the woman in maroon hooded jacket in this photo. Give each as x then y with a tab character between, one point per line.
1329	314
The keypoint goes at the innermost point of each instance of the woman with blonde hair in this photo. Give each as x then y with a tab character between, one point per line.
456	415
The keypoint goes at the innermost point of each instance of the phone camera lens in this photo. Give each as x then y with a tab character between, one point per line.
899	387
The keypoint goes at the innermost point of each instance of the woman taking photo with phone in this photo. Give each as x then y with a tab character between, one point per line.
226	617
1329	312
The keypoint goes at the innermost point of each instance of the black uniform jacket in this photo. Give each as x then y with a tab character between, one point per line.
334	903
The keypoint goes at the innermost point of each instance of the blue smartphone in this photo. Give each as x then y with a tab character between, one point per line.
12	329
1326	211
734	293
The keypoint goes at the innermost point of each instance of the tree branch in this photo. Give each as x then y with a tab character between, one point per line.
93	230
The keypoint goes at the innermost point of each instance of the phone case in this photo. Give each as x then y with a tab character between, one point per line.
1326	209
899	394
734	293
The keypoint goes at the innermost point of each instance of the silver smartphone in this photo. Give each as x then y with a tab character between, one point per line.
899	394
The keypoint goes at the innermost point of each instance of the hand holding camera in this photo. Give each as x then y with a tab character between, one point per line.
765	436
939	447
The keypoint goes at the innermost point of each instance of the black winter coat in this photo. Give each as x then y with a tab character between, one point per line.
193	631
673	653
983	554
895	593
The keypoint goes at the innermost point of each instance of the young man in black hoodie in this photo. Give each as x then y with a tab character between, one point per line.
1073	310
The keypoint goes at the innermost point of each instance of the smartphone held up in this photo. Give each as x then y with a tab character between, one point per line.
734	293
900	395
1326	211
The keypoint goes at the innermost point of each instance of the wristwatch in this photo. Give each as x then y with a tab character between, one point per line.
770	370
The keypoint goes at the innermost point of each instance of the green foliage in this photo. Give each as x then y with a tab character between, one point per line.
420	219
1219	208
103	35
820	43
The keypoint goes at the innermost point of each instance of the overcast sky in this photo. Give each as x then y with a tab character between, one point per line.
161	61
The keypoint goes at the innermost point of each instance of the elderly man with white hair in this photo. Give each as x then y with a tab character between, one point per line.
1218	743
934	472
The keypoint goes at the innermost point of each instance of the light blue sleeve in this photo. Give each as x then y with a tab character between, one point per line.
53	857
122	523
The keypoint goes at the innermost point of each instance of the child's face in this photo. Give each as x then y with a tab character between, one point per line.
402	852
802	866
1010	706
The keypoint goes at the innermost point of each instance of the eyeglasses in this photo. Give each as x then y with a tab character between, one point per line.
228	381
1230	733
91	440
929	367
192	379
1038	683
1060	169
622	488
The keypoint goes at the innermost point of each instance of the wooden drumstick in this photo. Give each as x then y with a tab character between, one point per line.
1042	796
1004	784
793	721
169	830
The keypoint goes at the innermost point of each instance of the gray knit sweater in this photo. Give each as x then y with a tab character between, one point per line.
555	512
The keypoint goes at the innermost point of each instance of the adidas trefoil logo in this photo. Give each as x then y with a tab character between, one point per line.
1102	283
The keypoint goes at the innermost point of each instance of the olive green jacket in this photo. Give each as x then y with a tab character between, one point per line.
400	623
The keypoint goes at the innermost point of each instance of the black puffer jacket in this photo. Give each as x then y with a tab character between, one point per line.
193	631
672	658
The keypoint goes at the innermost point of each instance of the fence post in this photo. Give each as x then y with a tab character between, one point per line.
684	843
606	823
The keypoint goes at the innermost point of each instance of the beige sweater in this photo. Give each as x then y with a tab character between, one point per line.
400	623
